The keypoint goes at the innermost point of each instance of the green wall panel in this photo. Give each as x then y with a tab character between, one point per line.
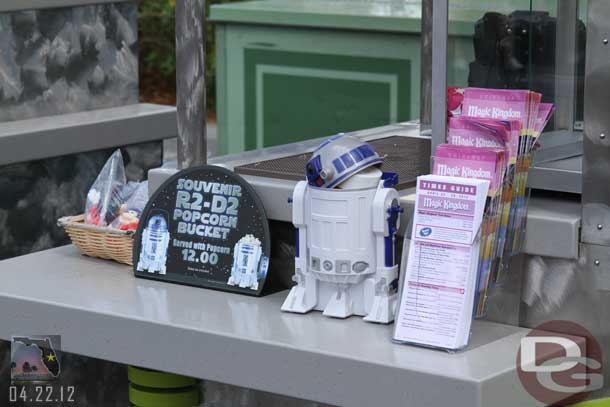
293	96
320	106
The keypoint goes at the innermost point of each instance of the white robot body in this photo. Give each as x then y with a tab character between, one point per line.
155	240
247	255
340	238
345	257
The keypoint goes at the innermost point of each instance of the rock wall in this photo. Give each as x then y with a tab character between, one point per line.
35	194
64	60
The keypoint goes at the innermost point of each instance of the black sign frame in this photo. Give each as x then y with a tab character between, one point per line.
194	274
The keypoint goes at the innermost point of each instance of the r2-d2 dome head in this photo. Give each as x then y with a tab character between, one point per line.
339	158
157	224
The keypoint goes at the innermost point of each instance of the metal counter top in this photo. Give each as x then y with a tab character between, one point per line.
102	311
547	218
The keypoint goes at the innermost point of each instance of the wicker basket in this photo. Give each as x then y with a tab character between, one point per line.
98	241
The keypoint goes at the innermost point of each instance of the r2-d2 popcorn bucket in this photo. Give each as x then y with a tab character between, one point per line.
346	215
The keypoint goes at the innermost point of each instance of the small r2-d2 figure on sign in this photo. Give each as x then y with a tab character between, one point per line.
347	215
155	240
249	264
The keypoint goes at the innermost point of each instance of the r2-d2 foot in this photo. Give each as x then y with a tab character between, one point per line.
340	304
383	308
303	297
346	215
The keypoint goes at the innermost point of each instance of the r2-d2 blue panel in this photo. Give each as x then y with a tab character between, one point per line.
155	240
246	259
339	158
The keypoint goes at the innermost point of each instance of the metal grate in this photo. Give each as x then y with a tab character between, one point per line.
409	157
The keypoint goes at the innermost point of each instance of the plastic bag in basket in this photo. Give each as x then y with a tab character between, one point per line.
106	194
129	213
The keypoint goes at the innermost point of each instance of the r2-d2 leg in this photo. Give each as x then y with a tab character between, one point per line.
384	303
341	304
386	219
303	297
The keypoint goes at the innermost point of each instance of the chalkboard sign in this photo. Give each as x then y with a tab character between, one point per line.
205	227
